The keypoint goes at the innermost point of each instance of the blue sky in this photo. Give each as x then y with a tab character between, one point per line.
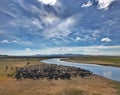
30	27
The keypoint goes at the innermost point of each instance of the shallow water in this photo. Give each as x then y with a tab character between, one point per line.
109	72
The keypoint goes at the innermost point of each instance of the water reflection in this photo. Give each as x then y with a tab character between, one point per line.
106	71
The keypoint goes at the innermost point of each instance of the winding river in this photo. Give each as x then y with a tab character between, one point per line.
109	72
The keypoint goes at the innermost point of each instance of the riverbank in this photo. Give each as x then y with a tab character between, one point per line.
100	60
92	85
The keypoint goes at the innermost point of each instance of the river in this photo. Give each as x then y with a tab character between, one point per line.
109	72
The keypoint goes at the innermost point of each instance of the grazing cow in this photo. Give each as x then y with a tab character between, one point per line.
50	71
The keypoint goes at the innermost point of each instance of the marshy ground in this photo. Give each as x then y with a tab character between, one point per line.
92	85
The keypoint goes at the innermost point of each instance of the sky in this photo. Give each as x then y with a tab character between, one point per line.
29	27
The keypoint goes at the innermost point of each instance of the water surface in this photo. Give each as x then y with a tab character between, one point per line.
109	72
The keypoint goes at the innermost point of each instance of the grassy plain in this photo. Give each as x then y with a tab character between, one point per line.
101	60
93	85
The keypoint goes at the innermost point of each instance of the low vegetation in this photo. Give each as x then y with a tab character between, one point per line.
92	85
102	60
12	63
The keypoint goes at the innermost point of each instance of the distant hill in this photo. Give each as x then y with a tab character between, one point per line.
60	55
3	55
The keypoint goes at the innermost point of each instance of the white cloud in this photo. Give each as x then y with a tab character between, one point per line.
50	2
96	33
87	35
91	50
60	30
88	4
5	41
78	39
106	40
104	4
9	13
14	41
22	4
34	25
36	22
27	49
50	19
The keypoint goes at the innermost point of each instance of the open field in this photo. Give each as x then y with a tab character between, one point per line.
101	60
15	62
93	85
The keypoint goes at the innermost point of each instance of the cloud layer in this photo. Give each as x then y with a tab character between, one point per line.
27	25
106	40
89	50
50	2
88	4
104	4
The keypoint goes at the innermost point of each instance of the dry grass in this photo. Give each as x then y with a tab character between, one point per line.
13	63
93	85
111	61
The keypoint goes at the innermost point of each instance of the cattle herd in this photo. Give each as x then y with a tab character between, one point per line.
50	71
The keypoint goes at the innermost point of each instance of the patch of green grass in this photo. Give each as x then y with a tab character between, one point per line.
98	58
107	60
